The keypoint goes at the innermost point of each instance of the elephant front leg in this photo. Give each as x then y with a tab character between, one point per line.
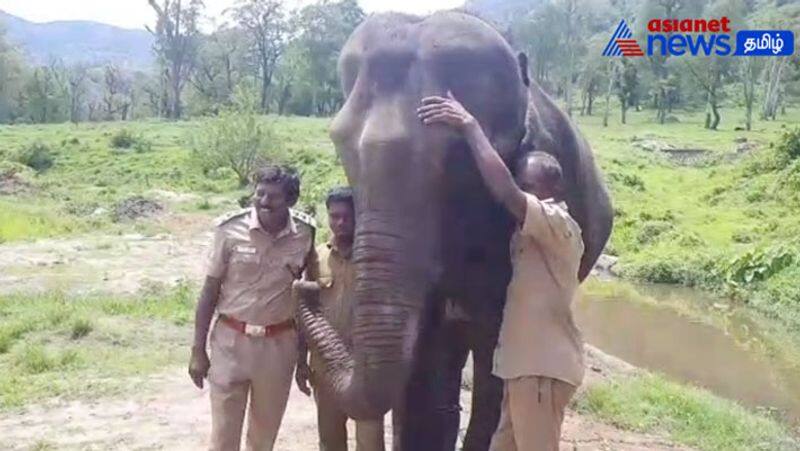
487	389
430	416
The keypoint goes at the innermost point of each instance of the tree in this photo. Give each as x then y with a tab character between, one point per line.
237	141
323	30
77	79
265	23
46	94
176	41
220	64
785	16
665	89
11	78
626	81
117	93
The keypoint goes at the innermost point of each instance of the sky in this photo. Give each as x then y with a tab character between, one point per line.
137	13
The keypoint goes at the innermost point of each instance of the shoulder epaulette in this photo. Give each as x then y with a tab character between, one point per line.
305	218
220	220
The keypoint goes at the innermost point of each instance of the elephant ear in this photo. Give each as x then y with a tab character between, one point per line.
548	129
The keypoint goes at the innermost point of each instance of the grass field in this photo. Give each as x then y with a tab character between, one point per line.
728	223
695	417
57	345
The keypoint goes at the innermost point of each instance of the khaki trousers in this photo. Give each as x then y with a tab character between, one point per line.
531	415
242	367
332	426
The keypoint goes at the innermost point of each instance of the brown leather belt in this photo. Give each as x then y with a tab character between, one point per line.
256	330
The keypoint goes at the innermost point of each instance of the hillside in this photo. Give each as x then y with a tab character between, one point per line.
78	42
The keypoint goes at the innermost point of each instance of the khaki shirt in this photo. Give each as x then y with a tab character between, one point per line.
254	266
538	336
336	276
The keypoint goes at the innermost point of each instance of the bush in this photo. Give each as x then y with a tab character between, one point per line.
80	328
237	141
37	156
788	148
757	265
651	230
122	139
632	181
697	270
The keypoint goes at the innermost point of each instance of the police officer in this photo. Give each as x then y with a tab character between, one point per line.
335	275
255	256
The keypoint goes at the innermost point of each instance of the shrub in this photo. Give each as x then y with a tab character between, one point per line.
122	139
651	230
742	236
788	148
237	141
80	328
37	156
142	145
632	181
697	270
757	264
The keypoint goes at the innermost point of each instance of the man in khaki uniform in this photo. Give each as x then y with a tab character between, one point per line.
539	352
336	276
256	255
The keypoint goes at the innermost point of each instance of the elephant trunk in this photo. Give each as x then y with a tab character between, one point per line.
393	277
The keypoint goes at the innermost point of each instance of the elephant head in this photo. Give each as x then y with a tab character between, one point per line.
403	173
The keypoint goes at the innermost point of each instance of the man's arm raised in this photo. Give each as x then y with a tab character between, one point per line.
447	110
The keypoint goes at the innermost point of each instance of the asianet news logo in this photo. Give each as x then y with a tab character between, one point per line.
703	37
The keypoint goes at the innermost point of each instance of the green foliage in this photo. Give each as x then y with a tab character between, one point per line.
691	416
125	139
36	156
757	265
788	147
238	141
632	181
80	328
651	230
122	139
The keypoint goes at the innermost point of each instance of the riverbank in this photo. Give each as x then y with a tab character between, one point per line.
725	220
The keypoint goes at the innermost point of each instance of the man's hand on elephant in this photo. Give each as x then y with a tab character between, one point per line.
445	110
301	376
198	366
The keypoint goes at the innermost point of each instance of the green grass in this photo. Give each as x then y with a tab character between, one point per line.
88	172
692	225
68	346
692	416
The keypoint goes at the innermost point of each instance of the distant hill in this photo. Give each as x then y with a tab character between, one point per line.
79	42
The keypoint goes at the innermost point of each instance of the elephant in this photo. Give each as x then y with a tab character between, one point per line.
430	240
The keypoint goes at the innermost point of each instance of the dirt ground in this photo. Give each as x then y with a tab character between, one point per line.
171	413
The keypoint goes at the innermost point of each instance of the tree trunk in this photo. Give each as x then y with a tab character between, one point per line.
608	95
714	112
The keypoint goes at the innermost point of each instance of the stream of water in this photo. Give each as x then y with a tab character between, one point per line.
720	350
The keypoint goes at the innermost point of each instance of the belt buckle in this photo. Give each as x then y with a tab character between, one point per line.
254	330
